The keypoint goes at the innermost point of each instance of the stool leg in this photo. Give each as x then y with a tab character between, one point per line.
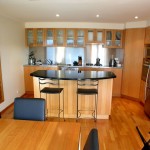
77	108
59	106
63	105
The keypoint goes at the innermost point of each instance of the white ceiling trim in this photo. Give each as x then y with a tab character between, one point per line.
140	24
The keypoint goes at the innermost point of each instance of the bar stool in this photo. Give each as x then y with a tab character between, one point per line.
52	87
87	87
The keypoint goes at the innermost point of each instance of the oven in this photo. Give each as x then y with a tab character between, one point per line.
145	68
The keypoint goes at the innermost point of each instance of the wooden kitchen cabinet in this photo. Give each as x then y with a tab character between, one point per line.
49	36
80	36
60	38
95	36
34	37
117	81
133	59
28	80
147	35
113	38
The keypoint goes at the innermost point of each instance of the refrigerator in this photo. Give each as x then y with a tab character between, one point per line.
147	94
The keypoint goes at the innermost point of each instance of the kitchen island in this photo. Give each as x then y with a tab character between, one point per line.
68	81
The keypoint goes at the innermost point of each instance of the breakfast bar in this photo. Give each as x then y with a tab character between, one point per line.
68	81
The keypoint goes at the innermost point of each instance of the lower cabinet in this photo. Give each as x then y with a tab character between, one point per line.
117	81
28	80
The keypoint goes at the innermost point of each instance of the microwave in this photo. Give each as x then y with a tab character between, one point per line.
147	52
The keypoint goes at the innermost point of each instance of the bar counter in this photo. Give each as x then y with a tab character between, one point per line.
68	81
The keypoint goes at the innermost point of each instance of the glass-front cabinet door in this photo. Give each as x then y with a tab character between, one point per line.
39	37
30	37
90	36
113	38
49	37
118	38
80	37
99	36
109	38
70	37
94	36
60	37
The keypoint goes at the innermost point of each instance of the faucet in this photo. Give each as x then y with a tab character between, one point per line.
50	62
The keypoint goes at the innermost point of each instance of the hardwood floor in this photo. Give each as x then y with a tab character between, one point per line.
117	133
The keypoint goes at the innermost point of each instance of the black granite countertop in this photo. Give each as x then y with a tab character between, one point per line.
73	74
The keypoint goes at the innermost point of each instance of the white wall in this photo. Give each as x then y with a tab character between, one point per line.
13	56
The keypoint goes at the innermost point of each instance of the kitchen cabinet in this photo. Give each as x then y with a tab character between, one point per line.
133	59
95	36
49	37
75	37
117	81
28	80
60	37
147	35
80	37
113	38
34	37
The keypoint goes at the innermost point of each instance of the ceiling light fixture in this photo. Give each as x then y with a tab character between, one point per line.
136	17
97	16
57	15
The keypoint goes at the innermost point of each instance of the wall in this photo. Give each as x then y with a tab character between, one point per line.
13	56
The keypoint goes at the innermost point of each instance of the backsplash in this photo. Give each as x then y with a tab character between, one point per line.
67	55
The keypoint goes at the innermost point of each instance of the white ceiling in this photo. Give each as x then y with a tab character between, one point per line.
112	11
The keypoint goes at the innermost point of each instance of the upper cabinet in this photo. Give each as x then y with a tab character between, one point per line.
75	37
113	38
35	37
147	35
95	36
70	37
49	37
60	37
80	37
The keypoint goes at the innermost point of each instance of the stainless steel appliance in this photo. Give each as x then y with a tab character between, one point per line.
145	68
147	94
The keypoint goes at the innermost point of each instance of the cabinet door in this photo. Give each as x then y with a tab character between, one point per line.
70	37
49	37
109	38
90	36
60	37
30	37
113	38
39	37
118	38
80	37
133	59
99	34
147	36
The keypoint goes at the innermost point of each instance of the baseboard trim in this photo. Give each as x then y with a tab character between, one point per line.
130	98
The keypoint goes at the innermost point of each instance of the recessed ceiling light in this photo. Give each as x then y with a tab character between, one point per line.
97	16
136	17
57	15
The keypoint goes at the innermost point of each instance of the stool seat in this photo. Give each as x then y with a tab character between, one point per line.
87	91
51	90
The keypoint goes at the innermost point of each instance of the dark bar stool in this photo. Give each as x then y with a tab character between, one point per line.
87	87
52	87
